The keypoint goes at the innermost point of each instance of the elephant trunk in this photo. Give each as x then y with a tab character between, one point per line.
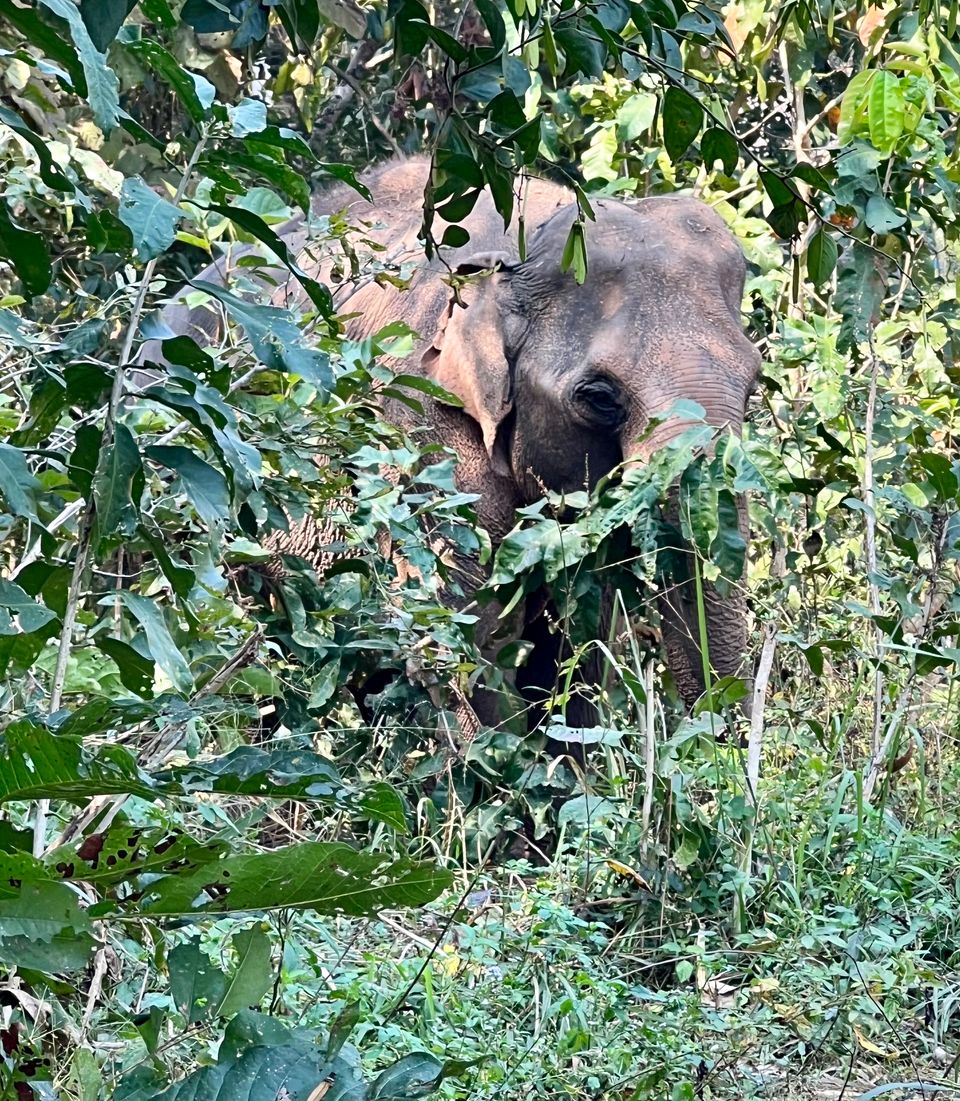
723	623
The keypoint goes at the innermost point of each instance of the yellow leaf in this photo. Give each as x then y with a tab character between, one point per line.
626	870
869	1045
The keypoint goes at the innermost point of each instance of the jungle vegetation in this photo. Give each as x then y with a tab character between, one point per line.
710	906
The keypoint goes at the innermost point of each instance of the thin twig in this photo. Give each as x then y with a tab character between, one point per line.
649	752
870	544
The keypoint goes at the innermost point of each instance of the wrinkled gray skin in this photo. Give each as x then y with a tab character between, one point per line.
558	381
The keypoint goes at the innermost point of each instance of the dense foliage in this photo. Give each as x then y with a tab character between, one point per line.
222	877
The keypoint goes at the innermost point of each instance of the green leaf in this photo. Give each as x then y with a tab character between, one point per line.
860	291
293	1069
43	927
412	1076
253	976
84	457
104	18
149	217
205	486
49	172
942	476
257	227
885	111
194	92
136	671
103	88
329	877
197	984
15	603
257	166
729	549
274	338
11	329
635	116
812	176
27	252
344	1023
688	853
720	145
249	116
160	642
17	485
881	215
822	256
854	106
575	253
117	485
124	852
682	118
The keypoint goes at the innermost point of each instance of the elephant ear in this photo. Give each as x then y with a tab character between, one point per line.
468	356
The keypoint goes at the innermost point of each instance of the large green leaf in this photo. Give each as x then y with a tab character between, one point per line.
821	257
328	877
860	291
123	852
206	487
682	119
285	773
150	218
43	927
50	174
17	485
103	88
294	1071
19	612
885	111
195	92
104	18
27	253
197	984
160	642
720	145
855	105
35	763
253	975
117	486
136	671
257	227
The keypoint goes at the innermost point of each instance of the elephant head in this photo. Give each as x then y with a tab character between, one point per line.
565	380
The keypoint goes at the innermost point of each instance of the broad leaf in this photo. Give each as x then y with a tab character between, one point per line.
103	88
328	877
160	642
682	118
17	485
821	257
104	18
151	219
117	486
27	253
205	487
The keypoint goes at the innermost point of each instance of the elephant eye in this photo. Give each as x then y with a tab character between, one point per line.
599	398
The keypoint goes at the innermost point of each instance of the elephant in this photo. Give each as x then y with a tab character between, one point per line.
559	382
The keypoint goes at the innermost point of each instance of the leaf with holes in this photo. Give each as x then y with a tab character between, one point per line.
329	877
